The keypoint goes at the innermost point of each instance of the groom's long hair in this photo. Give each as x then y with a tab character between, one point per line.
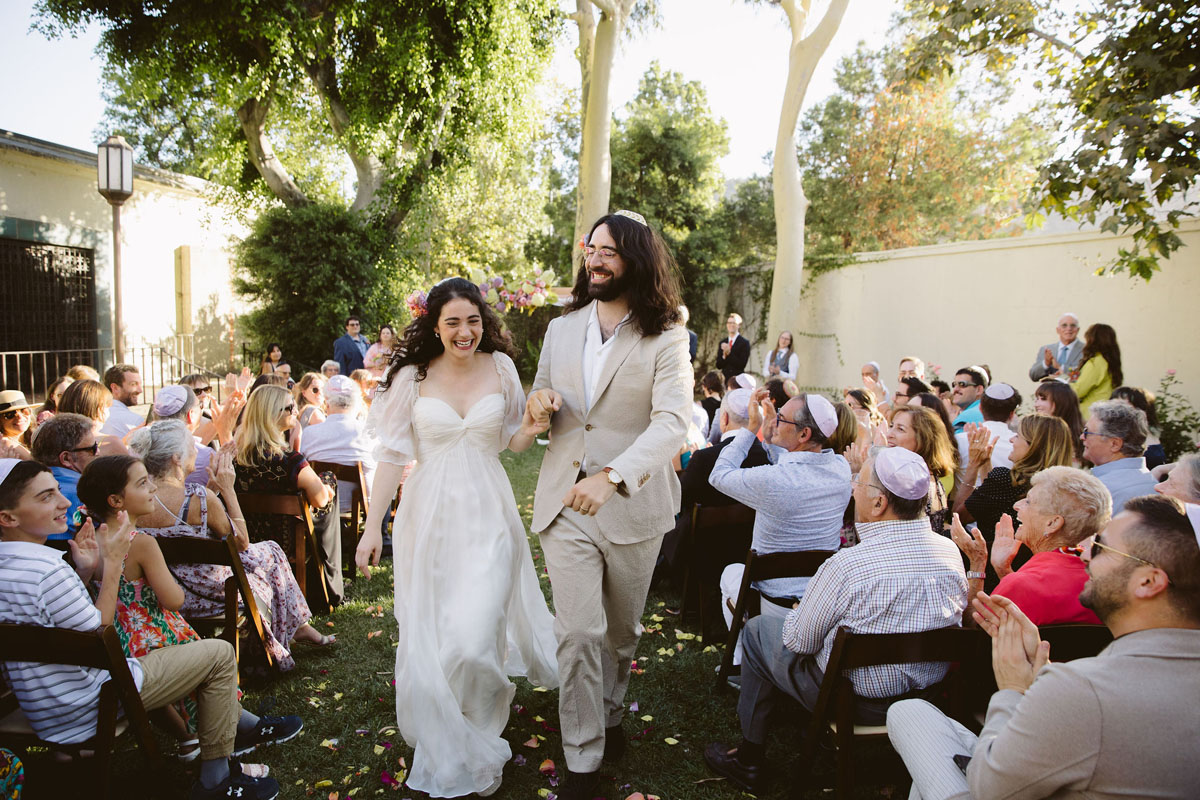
420	344
654	297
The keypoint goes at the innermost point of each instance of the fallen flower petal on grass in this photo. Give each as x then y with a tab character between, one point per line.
373	634
647	718
533	742
671	740
546	767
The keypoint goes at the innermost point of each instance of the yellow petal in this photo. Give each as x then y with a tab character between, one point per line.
322	784
671	740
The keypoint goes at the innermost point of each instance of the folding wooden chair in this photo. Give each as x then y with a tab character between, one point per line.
223	552
732	524
761	567
100	649
305	557
359	508
835	704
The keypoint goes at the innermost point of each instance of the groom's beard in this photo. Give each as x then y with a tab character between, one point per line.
611	289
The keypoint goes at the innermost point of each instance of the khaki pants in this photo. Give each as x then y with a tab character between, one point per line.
599	596
207	667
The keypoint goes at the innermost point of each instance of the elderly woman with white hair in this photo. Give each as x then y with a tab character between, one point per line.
168	450
1183	479
340	438
1062	510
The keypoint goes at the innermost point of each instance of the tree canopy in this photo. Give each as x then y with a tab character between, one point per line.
271	97
1124	76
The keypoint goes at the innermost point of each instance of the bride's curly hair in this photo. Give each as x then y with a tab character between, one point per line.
421	344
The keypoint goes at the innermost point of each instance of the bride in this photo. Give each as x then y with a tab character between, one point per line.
470	610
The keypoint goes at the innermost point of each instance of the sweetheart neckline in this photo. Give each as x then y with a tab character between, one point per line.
455	410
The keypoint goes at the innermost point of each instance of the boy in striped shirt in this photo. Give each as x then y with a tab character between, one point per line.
61	701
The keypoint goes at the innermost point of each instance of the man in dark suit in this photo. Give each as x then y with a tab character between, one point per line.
735	349
349	350
713	554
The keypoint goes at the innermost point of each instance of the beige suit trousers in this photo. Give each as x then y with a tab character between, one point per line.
599	595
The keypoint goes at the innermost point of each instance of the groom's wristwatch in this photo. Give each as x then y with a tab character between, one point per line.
616	480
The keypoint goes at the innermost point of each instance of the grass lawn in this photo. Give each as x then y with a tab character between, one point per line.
349	747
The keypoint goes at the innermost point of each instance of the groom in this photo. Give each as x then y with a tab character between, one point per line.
614	387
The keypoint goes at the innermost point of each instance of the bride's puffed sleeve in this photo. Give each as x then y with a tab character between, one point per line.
390	420
514	397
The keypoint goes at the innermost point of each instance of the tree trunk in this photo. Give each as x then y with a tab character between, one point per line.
791	205
253	116
367	167
595	165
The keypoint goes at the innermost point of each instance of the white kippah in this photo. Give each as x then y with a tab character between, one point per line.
903	473
633	215
340	384
822	412
169	399
739	402
746	381
999	391
874	364
6	466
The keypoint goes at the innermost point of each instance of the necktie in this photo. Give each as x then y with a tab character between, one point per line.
1062	354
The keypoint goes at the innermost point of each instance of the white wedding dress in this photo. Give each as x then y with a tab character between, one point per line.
468	603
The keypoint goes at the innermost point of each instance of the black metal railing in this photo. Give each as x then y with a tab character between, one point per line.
32	371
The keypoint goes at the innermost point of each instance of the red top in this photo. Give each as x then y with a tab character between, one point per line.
1047	589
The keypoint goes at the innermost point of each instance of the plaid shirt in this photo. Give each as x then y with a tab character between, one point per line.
900	578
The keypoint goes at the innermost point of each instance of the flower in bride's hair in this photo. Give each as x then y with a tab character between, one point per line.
417	305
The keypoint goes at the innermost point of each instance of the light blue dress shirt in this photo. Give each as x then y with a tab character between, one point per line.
799	501
1125	479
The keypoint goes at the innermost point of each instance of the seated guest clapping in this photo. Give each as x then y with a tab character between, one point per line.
66	443
180	402
266	463
187	509
1065	506
340	438
799	500
61	703
900	578
1122	724
916	428
998	406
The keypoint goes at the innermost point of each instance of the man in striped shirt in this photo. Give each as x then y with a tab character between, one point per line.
900	578
60	702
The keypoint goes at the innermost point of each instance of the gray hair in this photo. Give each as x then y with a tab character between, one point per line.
63	431
343	401
159	444
331	363
1190	466
727	408
1079	498
1123	421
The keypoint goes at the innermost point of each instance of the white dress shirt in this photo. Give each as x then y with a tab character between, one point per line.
1001	451
595	352
340	439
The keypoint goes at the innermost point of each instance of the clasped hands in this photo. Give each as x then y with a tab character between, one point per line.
1018	652
92	545
587	495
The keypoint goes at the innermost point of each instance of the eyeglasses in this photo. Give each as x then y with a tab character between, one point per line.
867	485
606	253
199	390
897	394
16	412
964	384
93	448
289	408
780	418
1097	543
1086	433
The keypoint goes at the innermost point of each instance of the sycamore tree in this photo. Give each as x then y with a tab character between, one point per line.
267	96
791	204
1124	77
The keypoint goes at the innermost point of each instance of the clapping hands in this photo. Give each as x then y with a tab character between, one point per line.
972	544
1018	652
980	442
1005	546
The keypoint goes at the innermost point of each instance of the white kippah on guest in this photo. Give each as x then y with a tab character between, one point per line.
633	215
340	384
903	473
999	391
739	402
874	365
6	466
822	412
169	399
746	381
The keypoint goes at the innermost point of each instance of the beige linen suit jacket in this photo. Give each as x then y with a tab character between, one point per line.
1120	725
637	422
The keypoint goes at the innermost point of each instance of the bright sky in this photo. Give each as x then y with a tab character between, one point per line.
738	51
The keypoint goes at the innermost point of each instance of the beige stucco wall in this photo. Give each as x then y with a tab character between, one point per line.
166	211
997	302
